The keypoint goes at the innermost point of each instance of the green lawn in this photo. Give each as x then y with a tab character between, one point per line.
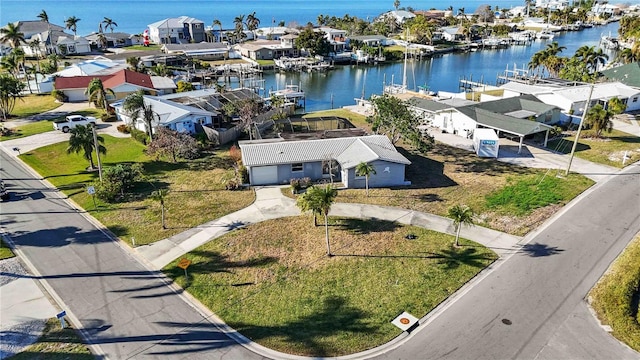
42	126
615	297
356	119
56	343
34	104
196	194
5	251
273	282
151	47
608	150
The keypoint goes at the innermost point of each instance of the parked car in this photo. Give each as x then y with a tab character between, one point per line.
72	121
4	193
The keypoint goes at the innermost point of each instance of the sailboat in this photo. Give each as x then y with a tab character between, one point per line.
395	88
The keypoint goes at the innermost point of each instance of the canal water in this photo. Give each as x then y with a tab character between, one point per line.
339	87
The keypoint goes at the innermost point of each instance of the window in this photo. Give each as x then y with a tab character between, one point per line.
635	99
297	167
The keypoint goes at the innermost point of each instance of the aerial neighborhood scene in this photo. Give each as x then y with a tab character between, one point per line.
298	180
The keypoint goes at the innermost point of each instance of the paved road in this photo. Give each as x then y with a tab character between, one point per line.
533	305
126	309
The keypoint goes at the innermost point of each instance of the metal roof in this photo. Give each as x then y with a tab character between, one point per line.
349	152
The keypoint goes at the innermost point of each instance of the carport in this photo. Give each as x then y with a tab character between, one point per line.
510	125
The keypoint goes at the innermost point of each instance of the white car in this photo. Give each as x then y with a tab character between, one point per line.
72	121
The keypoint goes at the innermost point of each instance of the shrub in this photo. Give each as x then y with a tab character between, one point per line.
299	184
138	135
123	128
108	118
60	96
243	174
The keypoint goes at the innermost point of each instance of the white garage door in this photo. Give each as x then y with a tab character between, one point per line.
264	175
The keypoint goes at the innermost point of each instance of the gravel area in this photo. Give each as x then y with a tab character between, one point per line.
14	339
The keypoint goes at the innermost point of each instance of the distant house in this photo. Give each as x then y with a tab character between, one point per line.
370	40
123	83
172	115
276	162
452	33
269	49
202	50
627	74
400	16
96	66
70	45
274	32
39	30
181	30
336	38
115	39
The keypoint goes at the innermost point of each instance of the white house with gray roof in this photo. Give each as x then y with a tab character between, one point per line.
180	30
277	161
170	114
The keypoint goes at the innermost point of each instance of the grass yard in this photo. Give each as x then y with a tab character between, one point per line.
34	105
151	47
273	282
608	150
42	126
196	194
5	251
56	344
616	296
447	176
356	119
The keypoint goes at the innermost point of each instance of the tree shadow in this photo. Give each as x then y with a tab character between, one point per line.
564	146
364	226
454	258
538	250
425	172
58	237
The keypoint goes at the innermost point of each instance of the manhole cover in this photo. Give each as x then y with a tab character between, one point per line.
506	321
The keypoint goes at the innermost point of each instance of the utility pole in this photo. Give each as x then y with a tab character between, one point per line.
575	142
96	145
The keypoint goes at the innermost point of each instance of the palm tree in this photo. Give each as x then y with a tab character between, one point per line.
366	170
71	23
319	200
599	119
159	196
81	140
396	4
108	23
98	94
252	21
461	215
136	108
35	47
11	64
217	22
12	35
133	62
43	16
102	40
239	27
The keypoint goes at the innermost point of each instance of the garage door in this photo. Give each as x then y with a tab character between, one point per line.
264	175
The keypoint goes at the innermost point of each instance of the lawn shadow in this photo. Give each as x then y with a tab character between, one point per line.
365	226
455	257
58	237
538	250
425	172
564	146
626	139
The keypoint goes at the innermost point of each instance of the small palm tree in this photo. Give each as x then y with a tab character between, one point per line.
43	16
461	215
108	23
81	140
71	23
366	170
98	94
599	119
319	200
159	196
12	35
136	108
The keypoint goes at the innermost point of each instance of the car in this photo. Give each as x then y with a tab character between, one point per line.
72	121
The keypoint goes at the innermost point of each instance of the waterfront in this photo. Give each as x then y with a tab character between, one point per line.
442	73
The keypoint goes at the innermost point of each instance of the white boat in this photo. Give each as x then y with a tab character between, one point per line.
289	92
545	35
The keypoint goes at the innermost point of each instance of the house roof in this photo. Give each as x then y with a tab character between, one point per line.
175	22
108	81
76	82
349	152
600	91
526	103
503	122
171	112
31	27
429	105
260	44
102	66
162	82
627	74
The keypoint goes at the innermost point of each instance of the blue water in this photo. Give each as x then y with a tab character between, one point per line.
133	16
443	73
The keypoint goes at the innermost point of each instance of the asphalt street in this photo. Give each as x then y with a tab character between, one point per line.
126	309
532	306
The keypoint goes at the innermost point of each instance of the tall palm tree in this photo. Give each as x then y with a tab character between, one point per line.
81	140
43	16
252	21
366	170
108	23
461	215
98	94
71	23
159	196
239	27
136	108
217	22
319	200
102	40
35	47
12	35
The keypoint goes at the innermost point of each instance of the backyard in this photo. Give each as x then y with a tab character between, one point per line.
608	150
274	284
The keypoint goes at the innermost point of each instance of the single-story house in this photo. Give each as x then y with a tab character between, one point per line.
268	49
123	83
400	16
173	115
452	33
202	50
277	162
115	39
93	67
274	32
370	40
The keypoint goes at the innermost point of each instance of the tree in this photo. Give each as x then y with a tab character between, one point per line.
133	62
396	4
35	47
136	108
319	200
238	33
217	22
599	119
43	16
184	86
118	179
252	22
71	23
314	42
616	106
102	40
394	118
461	215
366	170
12	35
172	144
81	140
247	110
108	23
10	91
98	94
159	196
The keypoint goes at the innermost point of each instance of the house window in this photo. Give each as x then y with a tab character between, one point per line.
635	99
297	167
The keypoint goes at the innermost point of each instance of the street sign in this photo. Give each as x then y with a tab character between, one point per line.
61	315
184	263
91	190
405	321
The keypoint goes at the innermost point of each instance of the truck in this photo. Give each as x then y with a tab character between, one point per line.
72	121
